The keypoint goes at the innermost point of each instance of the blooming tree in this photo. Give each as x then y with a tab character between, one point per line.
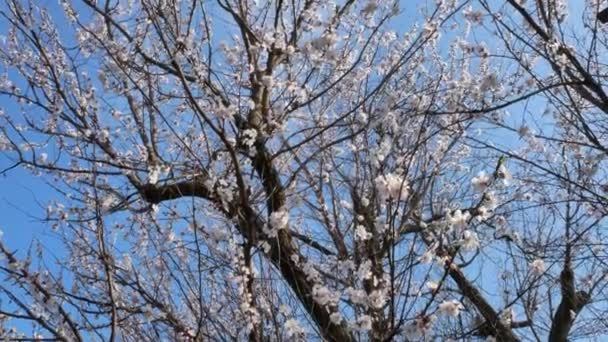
305	170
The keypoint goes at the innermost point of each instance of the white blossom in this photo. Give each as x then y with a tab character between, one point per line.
323	295
364	323
392	186
365	270
278	220
249	136
42	158
356	296
537	266
481	181
293	328
153	174
450	308
336	318
431	285
469	241
419	327
474	16
369	8
361	233
504	174
459	218
377	299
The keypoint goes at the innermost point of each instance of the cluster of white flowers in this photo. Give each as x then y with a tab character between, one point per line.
383	150
473	16
153	174
249	137
224	191
293	328
5	144
361	233
107	202
336	318
450	308
268	81
369	8
458	218
376	299
392	186
507	315
223	112
358	297
419	327
310	271
537	266
504	174
490	201
430	31
561	9
365	270
469	241
364	323
323	296
325	41
481	181
431	285
278	220
42	158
